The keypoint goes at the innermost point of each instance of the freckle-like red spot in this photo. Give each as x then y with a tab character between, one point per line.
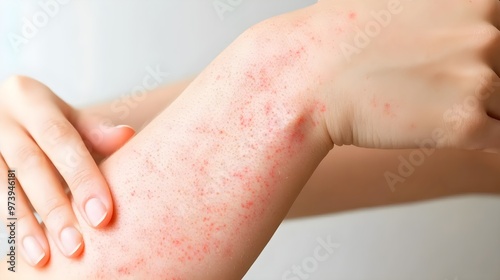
387	108
352	15
247	205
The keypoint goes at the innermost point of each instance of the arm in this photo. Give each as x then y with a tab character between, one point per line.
196	185
214	184
332	189
351	178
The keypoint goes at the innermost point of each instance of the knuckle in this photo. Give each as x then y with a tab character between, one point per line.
53	211
56	131
24	215
19	85
487	7
80	179
487	37
475	123
18	81
30	156
485	84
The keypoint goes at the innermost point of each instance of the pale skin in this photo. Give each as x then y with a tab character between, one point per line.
332	189
266	126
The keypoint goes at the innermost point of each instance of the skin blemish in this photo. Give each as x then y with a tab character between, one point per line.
339	30
298	132
231	166
247	205
352	15
388	110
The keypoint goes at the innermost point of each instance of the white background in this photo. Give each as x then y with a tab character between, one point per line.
90	51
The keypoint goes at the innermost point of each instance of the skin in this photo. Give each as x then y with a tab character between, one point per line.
256	179
273	124
49	154
331	189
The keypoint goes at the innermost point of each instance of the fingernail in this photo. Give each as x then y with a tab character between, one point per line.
33	250
96	211
124	126
71	240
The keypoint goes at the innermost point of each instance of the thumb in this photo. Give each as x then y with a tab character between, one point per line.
100	135
113	139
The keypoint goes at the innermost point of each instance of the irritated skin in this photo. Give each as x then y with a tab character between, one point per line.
200	191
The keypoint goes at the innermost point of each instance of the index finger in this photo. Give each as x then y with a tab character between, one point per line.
64	146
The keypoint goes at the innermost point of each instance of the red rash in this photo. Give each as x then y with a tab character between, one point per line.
225	167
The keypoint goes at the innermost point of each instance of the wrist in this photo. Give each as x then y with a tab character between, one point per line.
276	59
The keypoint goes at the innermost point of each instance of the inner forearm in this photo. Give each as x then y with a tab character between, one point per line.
200	190
223	179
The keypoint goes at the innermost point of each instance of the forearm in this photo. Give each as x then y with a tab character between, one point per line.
200	190
332	189
350	178
138	111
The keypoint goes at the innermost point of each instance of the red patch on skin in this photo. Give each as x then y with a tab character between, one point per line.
247	205
387	109
123	270
298	131
352	15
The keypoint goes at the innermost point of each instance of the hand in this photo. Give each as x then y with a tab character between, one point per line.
414	74
47	143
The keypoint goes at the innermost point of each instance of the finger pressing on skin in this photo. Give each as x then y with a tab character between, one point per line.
65	148
30	236
40	183
103	137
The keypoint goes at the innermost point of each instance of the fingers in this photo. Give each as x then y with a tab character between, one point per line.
116	138
37	175
490	36
103	138
30	236
62	144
